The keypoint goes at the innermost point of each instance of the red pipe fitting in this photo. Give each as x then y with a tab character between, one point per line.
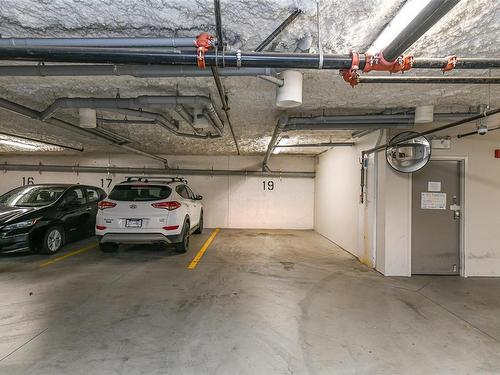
203	43
351	75
451	63
377	62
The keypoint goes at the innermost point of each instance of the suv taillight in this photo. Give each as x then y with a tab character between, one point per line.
105	204
167	205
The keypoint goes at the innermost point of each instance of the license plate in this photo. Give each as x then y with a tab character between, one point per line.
133	223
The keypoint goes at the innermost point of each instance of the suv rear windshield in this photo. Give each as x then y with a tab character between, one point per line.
133	193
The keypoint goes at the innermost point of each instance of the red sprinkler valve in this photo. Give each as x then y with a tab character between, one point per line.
378	62
203	43
451	63
351	75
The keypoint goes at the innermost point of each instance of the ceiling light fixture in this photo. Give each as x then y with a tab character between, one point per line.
404	16
18	144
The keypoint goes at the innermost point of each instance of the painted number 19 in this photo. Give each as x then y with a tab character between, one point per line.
268	185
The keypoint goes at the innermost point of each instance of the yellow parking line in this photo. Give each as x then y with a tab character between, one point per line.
204	248
62	257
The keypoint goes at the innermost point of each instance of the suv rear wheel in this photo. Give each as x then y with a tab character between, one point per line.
199	230
183	246
108	247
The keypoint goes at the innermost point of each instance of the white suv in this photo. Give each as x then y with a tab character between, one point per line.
149	210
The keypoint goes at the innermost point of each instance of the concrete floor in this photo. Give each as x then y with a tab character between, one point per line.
259	302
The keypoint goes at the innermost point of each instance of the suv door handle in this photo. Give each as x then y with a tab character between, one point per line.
88	209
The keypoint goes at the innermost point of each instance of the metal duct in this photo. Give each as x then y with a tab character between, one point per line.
277	130
90	133
323	144
140	71
151	171
99	42
125	105
438	129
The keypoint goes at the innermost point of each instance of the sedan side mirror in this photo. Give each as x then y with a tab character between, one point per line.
198	197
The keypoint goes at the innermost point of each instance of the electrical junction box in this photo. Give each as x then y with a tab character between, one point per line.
441	143
497	153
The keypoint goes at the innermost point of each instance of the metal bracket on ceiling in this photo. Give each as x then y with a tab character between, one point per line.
39	68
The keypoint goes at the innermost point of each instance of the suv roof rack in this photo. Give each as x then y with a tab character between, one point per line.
154	178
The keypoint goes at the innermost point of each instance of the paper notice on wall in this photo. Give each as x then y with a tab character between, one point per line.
433	201
434	186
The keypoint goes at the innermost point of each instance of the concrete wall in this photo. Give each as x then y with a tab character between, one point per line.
339	215
379	232
481	209
229	201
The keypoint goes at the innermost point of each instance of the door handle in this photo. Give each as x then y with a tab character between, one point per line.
455	208
88	209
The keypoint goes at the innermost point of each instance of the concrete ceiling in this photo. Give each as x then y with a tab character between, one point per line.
471	29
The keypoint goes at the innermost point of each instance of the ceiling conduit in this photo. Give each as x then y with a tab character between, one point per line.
89	133
131	106
139	71
151	171
99	42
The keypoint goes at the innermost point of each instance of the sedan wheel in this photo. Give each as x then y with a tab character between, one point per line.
53	240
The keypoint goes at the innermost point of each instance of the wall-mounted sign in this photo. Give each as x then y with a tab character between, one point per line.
434	186
433	201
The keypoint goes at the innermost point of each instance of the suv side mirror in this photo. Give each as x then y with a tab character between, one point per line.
198	197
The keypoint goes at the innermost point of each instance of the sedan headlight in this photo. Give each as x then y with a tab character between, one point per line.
22	224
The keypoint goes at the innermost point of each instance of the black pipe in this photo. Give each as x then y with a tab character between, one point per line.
461	63
475	132
435	130
218	24
79	149
225	106
433	80
230	59
423	21
278	30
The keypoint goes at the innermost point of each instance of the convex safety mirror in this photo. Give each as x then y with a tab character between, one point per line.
408	155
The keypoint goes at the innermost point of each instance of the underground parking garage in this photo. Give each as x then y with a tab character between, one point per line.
272	187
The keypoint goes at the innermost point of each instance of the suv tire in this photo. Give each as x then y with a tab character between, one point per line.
199	230
108	247
183	246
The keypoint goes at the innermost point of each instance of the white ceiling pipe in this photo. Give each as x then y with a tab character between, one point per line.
290	94
424	114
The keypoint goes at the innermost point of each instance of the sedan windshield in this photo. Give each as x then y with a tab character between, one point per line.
31	196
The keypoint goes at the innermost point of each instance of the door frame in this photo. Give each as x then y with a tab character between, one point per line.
464	161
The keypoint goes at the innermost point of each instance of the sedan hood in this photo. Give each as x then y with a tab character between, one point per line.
11	213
